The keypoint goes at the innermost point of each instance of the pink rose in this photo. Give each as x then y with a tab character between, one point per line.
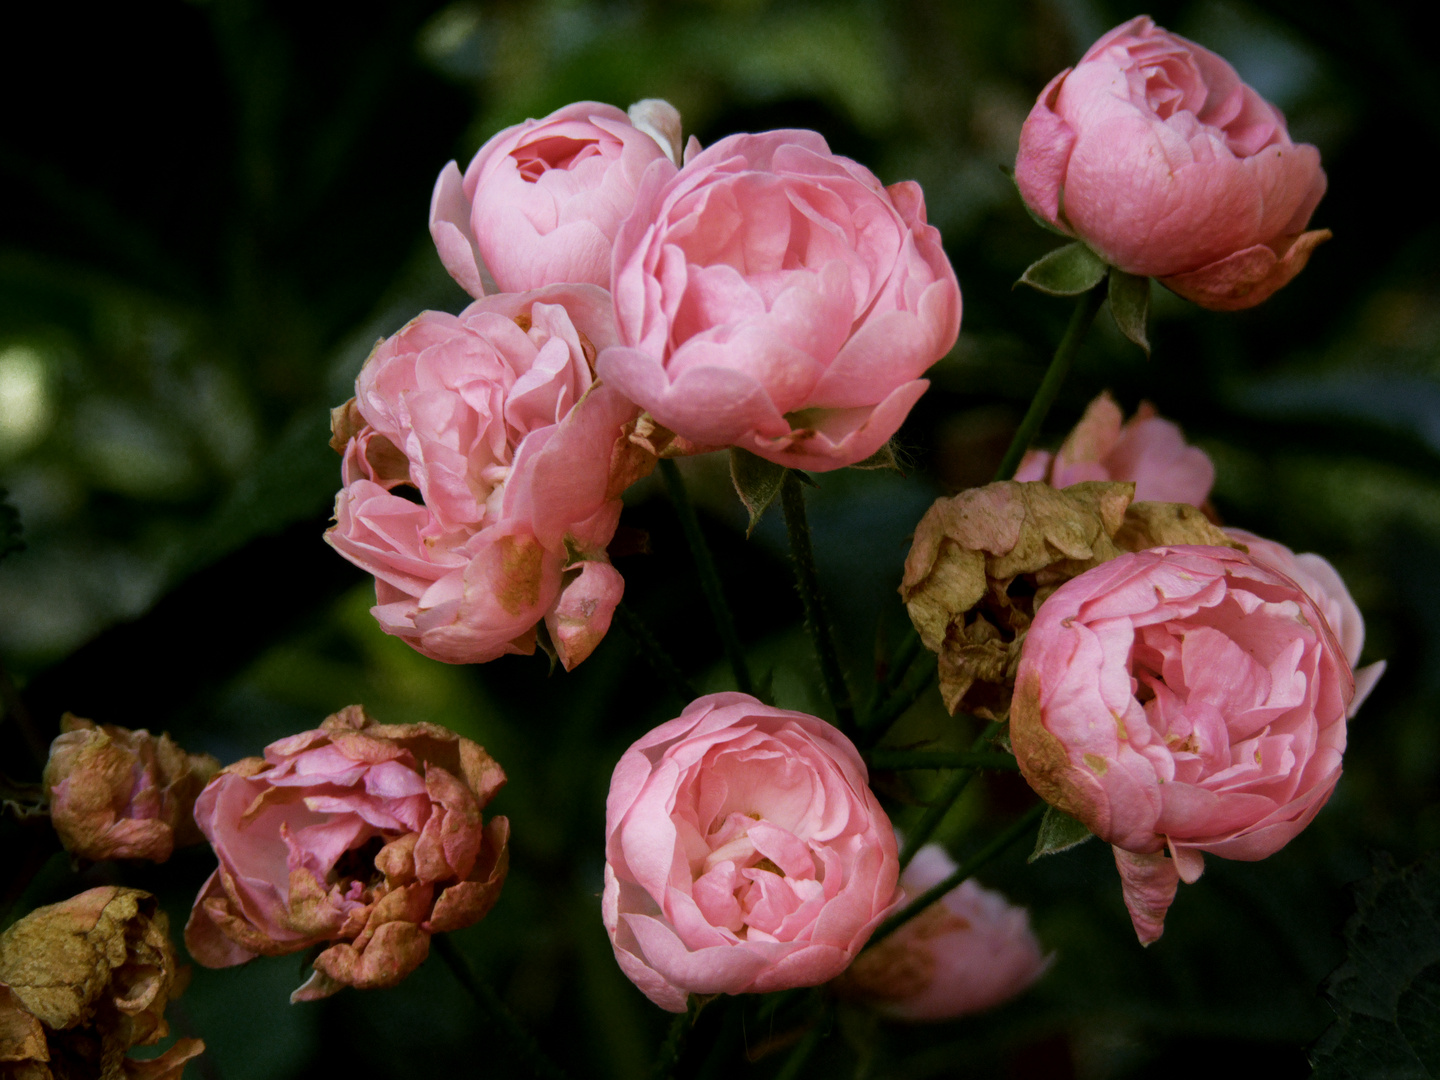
363	837
121	794
518	456
542	201
968	952
744	853
775	296
1146	449
1154	153
1319	579
1188	699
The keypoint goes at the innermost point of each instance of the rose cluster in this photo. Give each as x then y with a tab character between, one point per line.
762	293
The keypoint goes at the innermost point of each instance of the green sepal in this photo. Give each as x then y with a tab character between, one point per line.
1058	832
1067	271
756	481
1130	305
884	458
9	527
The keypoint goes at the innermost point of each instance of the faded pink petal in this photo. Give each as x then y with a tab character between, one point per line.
1149	883
1154	153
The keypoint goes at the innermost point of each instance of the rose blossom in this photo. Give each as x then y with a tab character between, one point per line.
541	202
744	853
363	837
775	296
121	794
1323	583
1189	699
1154	153
1146	449
969	951
518	456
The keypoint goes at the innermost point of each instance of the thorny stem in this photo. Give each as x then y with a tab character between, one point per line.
673	1046
936	811
1086	309
797	525
654	653
963	871
900	661
896	706
801	1054
709	576
497	1011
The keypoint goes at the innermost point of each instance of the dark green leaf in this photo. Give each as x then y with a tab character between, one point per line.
9	527
1387	992
1058	832
1130	305
1067	271
757	482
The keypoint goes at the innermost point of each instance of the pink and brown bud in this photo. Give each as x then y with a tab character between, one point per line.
121	794
363	837
83	981
969	951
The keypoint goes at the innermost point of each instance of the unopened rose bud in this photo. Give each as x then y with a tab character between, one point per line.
970	951
122	794
83	981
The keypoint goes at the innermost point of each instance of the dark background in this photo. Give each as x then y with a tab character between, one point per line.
210	210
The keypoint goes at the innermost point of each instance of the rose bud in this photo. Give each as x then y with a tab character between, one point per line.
1154	153
518	458
969	951
1146	449
744	852
775	296
1323	584
121	794
541	202
1185	700
83	981
361	837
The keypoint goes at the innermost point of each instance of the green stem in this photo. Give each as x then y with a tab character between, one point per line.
709	576
1086	308
672	1047
801	1054
963	871
797	525
940	759
900	661
654	653
936	811
497	1011
878	722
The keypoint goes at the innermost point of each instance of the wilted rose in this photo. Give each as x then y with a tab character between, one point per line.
774	296
1147	449
969	951
541	202
121	794
365	838
83	981
1184	700
518	457
744	853
1154	153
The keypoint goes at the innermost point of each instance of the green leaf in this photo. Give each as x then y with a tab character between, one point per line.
1058	832
1387	992
9	527
1130	305
1067	271
757	482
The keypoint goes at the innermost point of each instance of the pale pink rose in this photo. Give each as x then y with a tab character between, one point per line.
776	297
1185	699
365	838
1146	449
969	951
1154	153
1316	576
744	853
542	201
518	457
121	794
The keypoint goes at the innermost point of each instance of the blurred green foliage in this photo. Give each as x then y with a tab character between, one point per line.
200	242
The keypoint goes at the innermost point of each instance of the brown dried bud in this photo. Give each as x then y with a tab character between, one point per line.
121	794
83	981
